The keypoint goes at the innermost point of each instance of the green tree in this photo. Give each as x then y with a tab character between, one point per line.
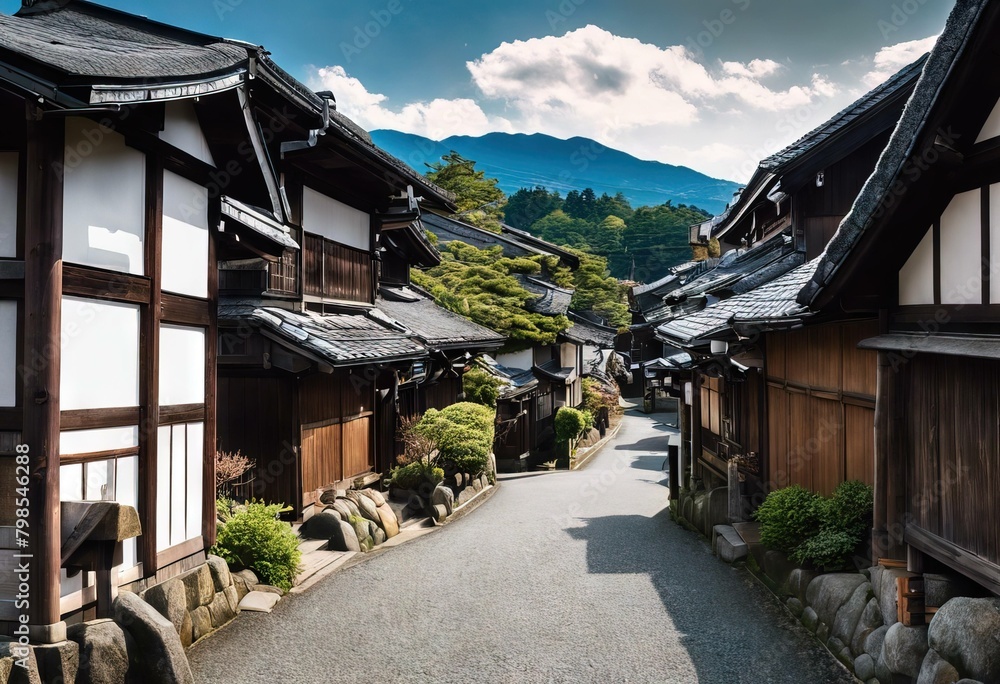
526	206
480	202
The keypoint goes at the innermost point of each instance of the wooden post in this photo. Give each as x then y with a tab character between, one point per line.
880	541
695	423
40	366
684	422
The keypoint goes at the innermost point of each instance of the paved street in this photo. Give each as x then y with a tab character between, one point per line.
559	577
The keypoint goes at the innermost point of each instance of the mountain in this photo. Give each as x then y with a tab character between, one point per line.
524	161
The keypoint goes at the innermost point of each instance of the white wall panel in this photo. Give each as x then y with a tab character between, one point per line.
182	130
99	484
8	353
335	220
522	360
961	250
71	482
178	485
100	354
104	196
995	244
182	365
75	442
195	472
127	493
185	236
916	278
8	204
992	127
163	488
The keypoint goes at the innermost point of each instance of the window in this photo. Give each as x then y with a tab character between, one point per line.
182	365
8	353
8	204
179	472
333	220
104	199
100	354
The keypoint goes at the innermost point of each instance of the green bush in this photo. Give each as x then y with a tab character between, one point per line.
570	423
412	475
255	538
845	519
481	387
463	434
789	517
850	508
828	550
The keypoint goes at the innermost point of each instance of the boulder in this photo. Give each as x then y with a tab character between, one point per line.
936	670
379	536
827	593
248	576
904	649
367	544
201	623
344	538
375	496
875	640
699	514
795	607
220	573
360	526
443	496
966	633
170	600
321	526
328	496
798	583
389	522
871	619
439	513
159	654
368	508
198	587
11	652
729	545
778	569
466	495
822	632
58	663
220	611
233	598
352	508
939	589
809	619
717	512
259	602
477	484
240	585
864	667
849	615
687	508
341	509
267	588
887	592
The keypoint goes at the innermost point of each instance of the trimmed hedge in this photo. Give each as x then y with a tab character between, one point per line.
463	434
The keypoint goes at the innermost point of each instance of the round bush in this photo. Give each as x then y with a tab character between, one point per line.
255	538
571	423
789	517
412	475
463	434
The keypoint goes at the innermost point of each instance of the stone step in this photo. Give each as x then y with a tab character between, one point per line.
727	544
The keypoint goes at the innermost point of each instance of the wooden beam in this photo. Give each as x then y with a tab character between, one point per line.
208	510
182	413
91	419
969	564
985	260
100	284
186	310
42	325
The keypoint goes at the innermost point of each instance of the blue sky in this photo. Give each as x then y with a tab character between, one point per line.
711	84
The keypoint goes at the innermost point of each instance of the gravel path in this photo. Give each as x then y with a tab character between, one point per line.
559	577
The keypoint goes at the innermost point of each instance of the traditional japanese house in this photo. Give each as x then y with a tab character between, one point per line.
920	250
117	192
793	390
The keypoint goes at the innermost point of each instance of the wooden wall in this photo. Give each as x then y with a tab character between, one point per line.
335	271
820	406
948	450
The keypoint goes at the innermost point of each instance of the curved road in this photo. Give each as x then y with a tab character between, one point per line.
559	577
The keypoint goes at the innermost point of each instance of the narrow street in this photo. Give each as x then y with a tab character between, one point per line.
559	577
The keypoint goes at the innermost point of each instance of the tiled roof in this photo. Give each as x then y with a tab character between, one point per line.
434	324
735	266
902	80
338	339
879	198
83	39
514	242
771	300
259	220
589	333
551	300
515	381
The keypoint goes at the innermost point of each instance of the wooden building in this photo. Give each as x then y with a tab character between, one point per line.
920	251
774	380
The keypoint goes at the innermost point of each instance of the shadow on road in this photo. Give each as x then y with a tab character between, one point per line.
647	445
656	463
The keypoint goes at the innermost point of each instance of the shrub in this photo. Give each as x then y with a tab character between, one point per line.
597	396
463	434
255	538
412	475
789	517
850	508
828	550
481	387
845	519
570	423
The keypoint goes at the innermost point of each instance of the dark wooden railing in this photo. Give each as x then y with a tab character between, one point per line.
336	271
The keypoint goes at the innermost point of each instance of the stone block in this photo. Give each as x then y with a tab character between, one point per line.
864	667
389	521
966	633
849	614
201	623
220	611
58	663
936	670
221	578
871	619
198	586
103	652
17	674
904	649
729	546
809	619
827	593
345	538
259	602
159	655
170	600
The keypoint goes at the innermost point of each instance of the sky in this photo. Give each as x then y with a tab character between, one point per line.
715	85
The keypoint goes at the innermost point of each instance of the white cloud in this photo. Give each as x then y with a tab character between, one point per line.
756	68
891	59
435	119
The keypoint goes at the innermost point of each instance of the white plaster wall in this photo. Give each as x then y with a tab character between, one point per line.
8	204
179	484
995	244
182	365
916	278
195	458
103	199
522	360
185	236
76	442
163	487
182	130
961	250
100	354
322	215
992	127
8	352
